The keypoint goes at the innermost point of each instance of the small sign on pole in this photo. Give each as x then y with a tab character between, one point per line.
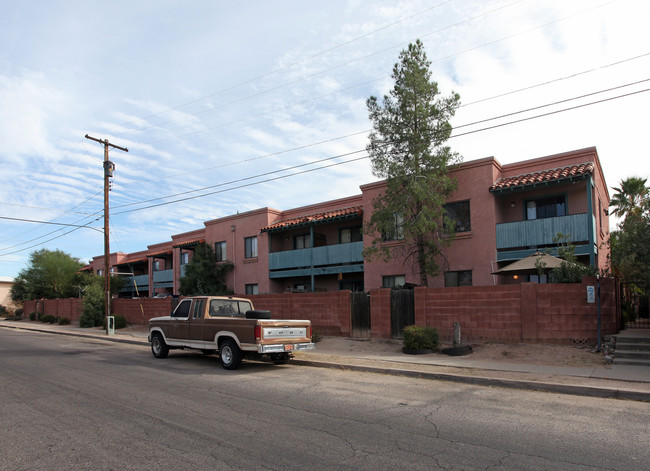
591	294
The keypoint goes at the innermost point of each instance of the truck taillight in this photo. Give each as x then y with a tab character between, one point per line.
309	332
258	332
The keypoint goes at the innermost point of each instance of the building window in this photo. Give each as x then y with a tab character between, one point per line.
220	251
350	234
458	213
252	289
549	207
458	278
250	247
302	241
100	272
185	258
156	265
393	281
396	231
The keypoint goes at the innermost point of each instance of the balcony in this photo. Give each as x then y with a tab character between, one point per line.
540	232
340	258
163	278
141	281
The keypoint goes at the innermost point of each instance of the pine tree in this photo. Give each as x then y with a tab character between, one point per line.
407	148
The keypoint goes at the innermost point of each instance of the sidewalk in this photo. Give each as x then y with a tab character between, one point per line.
613	381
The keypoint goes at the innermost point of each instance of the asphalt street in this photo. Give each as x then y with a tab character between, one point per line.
75	403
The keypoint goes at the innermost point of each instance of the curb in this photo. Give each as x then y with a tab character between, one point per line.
589	391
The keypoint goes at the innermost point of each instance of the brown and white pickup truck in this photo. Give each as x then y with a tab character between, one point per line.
230	326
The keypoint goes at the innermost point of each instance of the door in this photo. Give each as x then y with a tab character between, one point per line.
359	314
402	311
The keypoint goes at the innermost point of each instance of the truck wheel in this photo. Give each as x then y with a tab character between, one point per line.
230	354
158	346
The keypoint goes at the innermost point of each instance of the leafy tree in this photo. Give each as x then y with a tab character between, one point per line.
407	149
570	270
631	198
49	274
93	312
203	275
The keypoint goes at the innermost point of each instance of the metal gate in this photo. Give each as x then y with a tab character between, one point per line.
635	306
359	314
402	311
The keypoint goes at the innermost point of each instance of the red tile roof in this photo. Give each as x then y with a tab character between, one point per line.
544	176
346	213
132	260
189	243
156	254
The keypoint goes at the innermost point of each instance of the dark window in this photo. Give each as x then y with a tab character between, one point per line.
459	214
220	251
250	247
350	234
197	312
393	281
302	241
183	309
458	278
252	289
549	207
396	231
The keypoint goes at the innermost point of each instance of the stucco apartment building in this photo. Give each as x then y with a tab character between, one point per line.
503	213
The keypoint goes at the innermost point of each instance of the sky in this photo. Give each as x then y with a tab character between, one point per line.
227	107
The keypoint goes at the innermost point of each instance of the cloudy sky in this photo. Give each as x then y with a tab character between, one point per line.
232	106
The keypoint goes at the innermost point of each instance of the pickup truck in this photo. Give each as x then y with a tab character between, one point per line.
230	326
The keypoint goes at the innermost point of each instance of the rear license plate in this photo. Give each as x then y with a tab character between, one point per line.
288	348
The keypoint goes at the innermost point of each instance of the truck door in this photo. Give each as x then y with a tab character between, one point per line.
196	321
179	324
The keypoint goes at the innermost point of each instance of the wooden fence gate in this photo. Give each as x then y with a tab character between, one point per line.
402	311
359	314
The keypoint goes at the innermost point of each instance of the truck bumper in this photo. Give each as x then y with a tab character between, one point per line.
285	348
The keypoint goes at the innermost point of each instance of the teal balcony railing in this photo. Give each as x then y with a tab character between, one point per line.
330	255
163	276
142	281
539	232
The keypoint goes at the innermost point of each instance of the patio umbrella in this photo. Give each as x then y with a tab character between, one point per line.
527	266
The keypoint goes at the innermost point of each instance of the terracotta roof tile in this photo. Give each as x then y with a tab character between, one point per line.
544	176
189	243
132	260
347	213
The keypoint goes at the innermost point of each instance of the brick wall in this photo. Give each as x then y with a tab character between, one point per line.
527	312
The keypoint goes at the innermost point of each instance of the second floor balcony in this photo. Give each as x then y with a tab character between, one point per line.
540	232
328	259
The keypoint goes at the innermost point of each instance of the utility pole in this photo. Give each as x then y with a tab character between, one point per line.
108	172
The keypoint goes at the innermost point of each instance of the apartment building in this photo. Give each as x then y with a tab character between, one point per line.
503	213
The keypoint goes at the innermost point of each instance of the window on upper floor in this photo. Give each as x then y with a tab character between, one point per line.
396	231
459	213
220	251
350	234
546	207
185	258
458	278
302	241
250	247
393	281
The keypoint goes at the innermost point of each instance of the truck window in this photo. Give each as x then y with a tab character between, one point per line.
228	308
197	312
244	307
183	309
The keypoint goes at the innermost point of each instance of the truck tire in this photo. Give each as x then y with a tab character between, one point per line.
158	346
258	314
230	354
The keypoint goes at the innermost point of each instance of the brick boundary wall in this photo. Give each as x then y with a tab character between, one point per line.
526	312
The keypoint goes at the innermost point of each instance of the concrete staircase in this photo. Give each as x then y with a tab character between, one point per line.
633	348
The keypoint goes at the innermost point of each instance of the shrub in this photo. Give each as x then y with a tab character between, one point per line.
48	318
421	338
92	314
19	312
3	310
32	316
40	316
64	321
120	322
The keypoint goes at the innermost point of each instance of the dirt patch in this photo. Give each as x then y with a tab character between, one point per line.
532	354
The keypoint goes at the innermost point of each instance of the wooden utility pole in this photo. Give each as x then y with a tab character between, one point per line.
108	172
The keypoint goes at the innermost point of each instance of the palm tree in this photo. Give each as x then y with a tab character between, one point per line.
631	197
